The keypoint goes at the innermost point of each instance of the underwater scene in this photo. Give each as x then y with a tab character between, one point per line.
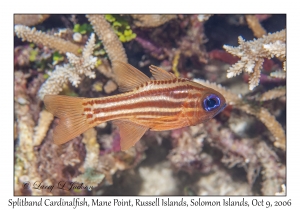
156	104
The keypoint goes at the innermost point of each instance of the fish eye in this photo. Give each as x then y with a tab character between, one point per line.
211	102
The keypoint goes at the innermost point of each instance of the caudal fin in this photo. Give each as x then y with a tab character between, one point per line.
72	121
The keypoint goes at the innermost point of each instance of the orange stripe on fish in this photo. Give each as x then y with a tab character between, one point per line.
164	103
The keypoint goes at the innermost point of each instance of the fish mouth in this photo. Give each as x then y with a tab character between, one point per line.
221	109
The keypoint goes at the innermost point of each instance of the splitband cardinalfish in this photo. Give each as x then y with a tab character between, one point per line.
162	103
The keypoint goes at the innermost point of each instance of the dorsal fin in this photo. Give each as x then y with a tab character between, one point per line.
161	74
130	133
128	77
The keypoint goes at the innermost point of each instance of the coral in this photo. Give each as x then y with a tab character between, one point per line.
261	113
25	157
236	151
32	165
273	94
253	52
71	72
110	40
187	147
262	17
92	148
158	180
130	158
283	190
195	34
279	74
69	156
59	163
221	183
29	20
91	176
38	37
272	124
106	69
273	171
96	167
151	20
22	55
152	48
43	125
250	154
161	44
255	26
204	17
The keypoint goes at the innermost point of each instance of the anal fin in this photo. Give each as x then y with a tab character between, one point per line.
130	133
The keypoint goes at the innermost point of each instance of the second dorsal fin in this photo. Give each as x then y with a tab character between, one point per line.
161	74
128	77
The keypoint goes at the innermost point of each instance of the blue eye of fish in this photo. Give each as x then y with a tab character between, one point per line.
211	102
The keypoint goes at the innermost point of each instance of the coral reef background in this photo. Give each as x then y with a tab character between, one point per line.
240	152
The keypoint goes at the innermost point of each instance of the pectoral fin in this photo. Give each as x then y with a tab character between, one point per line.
130	133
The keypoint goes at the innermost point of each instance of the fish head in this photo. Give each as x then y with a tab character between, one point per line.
209	105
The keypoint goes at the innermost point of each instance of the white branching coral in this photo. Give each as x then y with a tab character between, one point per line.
273	94
255	26
269	160
39	37
278	74
71	72
252	54
41	129
91	175
111	42
29	20
153	20
25	156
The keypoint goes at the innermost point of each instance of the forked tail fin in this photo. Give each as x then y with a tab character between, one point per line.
72	120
